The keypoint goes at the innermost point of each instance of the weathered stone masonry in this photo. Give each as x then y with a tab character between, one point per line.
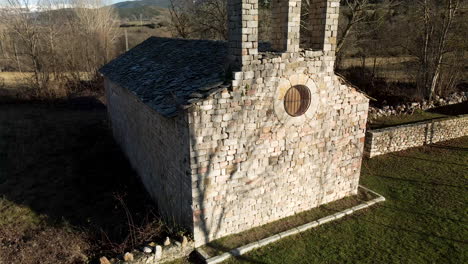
252	163
386	140
249	168
204	123
149	140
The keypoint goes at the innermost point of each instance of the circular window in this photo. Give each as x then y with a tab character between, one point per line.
297	100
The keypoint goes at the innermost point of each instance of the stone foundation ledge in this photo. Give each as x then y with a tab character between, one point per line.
260	243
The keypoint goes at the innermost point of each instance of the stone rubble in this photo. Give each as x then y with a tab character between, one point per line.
410	107
147	250
167	242
104	260
160	254
128	257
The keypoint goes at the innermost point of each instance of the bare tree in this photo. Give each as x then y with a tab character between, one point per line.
432	42
211	19
22	24
204	19
362	19
180	11
98	24
65	41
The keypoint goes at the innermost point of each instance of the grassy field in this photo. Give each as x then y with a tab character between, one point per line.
12	80
395	120
392	69
219	246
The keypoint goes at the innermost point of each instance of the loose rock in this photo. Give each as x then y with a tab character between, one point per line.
157	252
128	256
147	250
104	260
184	241
167	242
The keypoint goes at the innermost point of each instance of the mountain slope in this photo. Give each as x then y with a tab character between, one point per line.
146	9
143	3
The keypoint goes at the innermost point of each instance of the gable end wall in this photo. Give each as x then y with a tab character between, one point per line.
250	168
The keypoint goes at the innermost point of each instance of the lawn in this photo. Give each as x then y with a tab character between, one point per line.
424	219
219	246
417	116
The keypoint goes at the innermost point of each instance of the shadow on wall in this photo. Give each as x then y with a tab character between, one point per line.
252	185
204	181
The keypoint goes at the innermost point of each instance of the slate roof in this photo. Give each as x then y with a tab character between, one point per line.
171	74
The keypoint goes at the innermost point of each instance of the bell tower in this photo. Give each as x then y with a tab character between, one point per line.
286	23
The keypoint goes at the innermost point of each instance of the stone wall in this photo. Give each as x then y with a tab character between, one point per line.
385	140
157	148
252	163
324	24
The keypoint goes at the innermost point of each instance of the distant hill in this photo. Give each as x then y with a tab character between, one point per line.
148	9
143	3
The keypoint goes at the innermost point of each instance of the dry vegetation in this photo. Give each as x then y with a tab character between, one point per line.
67	193
58	44
417	49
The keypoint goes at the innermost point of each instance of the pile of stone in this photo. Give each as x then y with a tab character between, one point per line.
409	108
154	253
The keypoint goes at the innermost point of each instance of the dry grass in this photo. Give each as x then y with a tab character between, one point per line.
379	61
43	244
12	80
392	69
60	174
15	80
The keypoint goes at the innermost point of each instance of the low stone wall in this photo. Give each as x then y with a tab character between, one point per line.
385	140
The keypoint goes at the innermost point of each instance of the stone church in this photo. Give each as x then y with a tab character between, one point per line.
231	135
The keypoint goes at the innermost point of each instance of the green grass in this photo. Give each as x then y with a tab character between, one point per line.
424	219
230	242
420	115
396	120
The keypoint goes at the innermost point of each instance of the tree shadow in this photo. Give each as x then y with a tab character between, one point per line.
394	208
451	110
442	146
410	230
432	160
419	181
60	160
